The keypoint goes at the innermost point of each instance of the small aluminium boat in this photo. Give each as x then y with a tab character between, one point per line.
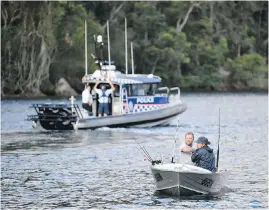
183	179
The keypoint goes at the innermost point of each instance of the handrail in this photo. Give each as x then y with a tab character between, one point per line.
163	88
78	111
57	106
176	89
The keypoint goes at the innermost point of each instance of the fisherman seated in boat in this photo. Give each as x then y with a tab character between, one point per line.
103	98
203	156
188	146
87	99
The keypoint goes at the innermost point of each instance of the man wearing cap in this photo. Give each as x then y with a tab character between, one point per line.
103	100
203	156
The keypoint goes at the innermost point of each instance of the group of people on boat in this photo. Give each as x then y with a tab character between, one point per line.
103	98
202	155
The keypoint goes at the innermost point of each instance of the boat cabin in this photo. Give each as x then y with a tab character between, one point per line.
133	93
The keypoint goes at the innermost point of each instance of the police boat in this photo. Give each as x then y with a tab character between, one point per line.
137	101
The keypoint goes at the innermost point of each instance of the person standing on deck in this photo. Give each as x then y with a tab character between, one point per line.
87	99
103	100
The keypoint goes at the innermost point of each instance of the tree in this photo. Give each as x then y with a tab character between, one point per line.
27	56
248	70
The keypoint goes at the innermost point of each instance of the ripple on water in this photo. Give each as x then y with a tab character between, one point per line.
106	169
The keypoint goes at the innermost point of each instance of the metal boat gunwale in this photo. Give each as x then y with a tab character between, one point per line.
176	169
132	114
130	120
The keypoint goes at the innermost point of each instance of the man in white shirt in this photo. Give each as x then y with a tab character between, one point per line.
186	148
87	99
103	98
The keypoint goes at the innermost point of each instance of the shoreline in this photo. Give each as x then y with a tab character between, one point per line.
23	97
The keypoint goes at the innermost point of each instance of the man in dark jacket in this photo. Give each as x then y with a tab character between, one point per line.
203	156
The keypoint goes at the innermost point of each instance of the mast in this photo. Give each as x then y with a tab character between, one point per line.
126	50
217	165
108	43
132	54
86	52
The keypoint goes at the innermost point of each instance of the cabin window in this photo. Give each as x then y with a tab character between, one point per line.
142	89
152	89
129	90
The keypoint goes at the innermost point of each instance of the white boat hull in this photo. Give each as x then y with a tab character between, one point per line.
183	179
162	116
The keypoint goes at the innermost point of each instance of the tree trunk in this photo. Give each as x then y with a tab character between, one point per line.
154	65
239	50
181	26
211	14
179	69
260	21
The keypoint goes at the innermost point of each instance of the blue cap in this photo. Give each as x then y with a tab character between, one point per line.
203	139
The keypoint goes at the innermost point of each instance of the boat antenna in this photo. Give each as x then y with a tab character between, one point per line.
172	161
86	52
126	51
144	151
108	41
132	54
218	143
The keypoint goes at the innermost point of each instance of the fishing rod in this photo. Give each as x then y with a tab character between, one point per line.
147	154
144	151
172	161
218	143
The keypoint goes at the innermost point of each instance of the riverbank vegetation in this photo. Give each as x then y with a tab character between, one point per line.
218	46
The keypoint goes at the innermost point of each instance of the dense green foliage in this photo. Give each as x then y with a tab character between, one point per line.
194	45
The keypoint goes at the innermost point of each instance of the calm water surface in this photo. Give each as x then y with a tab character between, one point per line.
105	169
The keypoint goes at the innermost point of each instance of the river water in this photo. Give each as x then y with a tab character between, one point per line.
104	168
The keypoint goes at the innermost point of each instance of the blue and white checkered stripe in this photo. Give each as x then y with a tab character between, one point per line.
146	108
